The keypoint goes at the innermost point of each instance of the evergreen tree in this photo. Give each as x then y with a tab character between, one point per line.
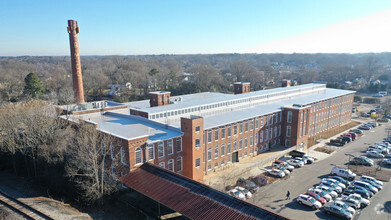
34	85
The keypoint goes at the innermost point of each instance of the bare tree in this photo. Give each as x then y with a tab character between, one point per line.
87	163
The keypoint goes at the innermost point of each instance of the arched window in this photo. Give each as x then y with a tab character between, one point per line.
139	156
123	155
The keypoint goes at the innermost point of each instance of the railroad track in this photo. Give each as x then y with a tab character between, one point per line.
22	208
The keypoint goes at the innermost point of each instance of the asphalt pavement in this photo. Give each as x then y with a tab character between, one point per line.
273	196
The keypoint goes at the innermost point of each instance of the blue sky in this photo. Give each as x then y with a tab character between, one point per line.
37	27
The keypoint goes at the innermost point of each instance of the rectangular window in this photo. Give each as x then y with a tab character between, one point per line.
279	131
216	134
222	149
288	131
271	133
301	131
198	162
266	120
170	165
256	122
235	129
161	149
209	154
229	147
252	124
261	137
209	136
289	117
241	128
235	145
287	143
179	144
280	116
241	143
170	147
261	121
197	143
222	132
229	130
246	126
112	151
266	134
275	131
246	142
256	138
179	164
151	152
162	164
251	140
198	129
276	118
270	119
216	151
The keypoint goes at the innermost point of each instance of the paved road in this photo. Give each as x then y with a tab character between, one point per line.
273	195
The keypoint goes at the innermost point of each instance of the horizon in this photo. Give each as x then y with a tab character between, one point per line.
131	28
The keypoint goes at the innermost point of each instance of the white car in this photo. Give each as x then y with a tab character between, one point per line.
387	161
308	201
331	185
276	173
374	154
322	193
372	179
246	193
344	206
236	193
336	182
350	202
295	162
359	198
309	159
328	190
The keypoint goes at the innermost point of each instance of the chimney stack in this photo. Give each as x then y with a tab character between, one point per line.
241	87
73	30
159	98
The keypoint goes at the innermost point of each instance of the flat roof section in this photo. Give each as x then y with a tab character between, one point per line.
131	127
191	198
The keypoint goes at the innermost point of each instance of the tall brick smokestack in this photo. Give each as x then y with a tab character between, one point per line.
73	30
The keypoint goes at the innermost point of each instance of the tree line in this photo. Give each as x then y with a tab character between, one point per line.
184	74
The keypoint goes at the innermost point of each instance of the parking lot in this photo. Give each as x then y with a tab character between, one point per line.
273	196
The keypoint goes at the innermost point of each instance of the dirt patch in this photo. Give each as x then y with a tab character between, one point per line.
374	171
326	150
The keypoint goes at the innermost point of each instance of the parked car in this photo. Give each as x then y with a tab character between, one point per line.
237	194
365	185
328	190
251	186
378	148
322	194
374	154
276	173
350	202
364	127
284	164
260	180
353	135
246	193
333	186
344	206
340	179
363	202
362	192
373	124
383	120
308	201
337	211
298	154
296	163
346	138
357	189
336	182
286	171
343	172
316	197
387	161
337	142
374	184
356	131
371	178
362	160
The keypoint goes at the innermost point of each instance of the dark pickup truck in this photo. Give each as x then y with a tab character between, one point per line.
296	153
337	142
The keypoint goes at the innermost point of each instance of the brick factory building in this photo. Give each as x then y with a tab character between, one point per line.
198	133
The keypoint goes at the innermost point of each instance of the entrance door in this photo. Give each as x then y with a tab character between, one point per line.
235	157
